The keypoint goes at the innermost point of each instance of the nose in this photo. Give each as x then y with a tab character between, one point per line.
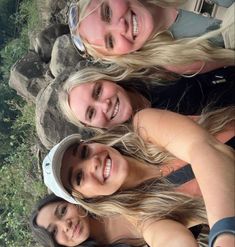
67	224
119	26
94	168
105	105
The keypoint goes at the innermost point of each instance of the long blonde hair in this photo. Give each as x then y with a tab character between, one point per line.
156	197
161	50
93	74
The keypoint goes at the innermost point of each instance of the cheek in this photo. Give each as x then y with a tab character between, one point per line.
124	47
62	239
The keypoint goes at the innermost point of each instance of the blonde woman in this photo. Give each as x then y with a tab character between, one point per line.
136	35
117	173
92	97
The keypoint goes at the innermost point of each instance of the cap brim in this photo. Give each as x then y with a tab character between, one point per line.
55	157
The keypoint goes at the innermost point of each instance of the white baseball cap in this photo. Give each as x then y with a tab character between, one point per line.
52	168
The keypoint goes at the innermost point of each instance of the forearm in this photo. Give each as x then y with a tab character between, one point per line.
216	178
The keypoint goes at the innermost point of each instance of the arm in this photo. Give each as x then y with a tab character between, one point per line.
212	161
196	68
168	233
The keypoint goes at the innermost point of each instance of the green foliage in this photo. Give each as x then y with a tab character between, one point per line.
20	186
8	29
21	178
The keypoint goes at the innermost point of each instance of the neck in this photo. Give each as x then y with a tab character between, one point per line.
138	101
102	230
165	18
97	230
140	172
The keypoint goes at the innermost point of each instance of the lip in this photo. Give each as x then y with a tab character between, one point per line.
77	229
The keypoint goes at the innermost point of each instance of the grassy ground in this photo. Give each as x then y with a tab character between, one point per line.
21	181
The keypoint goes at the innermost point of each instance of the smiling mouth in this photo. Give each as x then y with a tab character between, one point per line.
135	28
107	168
116	109
77	229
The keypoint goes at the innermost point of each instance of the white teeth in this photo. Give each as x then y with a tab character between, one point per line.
135	28
107	168
116	109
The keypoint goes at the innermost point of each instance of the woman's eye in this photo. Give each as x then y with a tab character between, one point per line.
84	152
110	42
63	211
79	178
91	113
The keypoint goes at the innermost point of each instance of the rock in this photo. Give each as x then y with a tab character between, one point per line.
64	55
45	40
50	123
57	6
27	76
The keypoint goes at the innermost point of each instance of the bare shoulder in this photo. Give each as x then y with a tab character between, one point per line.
167	233
144	116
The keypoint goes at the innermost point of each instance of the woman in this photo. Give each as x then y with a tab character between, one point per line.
116	172
68	218
56	222
96	98
141	35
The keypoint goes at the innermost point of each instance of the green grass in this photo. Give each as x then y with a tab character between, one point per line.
21	179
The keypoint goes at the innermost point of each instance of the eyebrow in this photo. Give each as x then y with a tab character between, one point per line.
102	5
102	11
89	107
94	89
56	213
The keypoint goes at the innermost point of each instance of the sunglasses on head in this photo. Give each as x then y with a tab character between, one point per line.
73	19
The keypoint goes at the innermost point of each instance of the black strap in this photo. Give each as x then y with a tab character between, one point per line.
185	174
182	175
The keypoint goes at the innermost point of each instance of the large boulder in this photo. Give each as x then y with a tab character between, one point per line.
50	11
64	55
45	40
27	76
51	125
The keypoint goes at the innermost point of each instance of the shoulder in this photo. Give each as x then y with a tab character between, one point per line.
168	233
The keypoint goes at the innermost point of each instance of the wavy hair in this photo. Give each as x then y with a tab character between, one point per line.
156	197
161	50
94	74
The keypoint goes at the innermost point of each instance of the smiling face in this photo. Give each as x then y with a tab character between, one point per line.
116	27
94	169
101	104
66	222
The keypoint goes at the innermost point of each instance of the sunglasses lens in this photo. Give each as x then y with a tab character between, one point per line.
78	43
73	17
